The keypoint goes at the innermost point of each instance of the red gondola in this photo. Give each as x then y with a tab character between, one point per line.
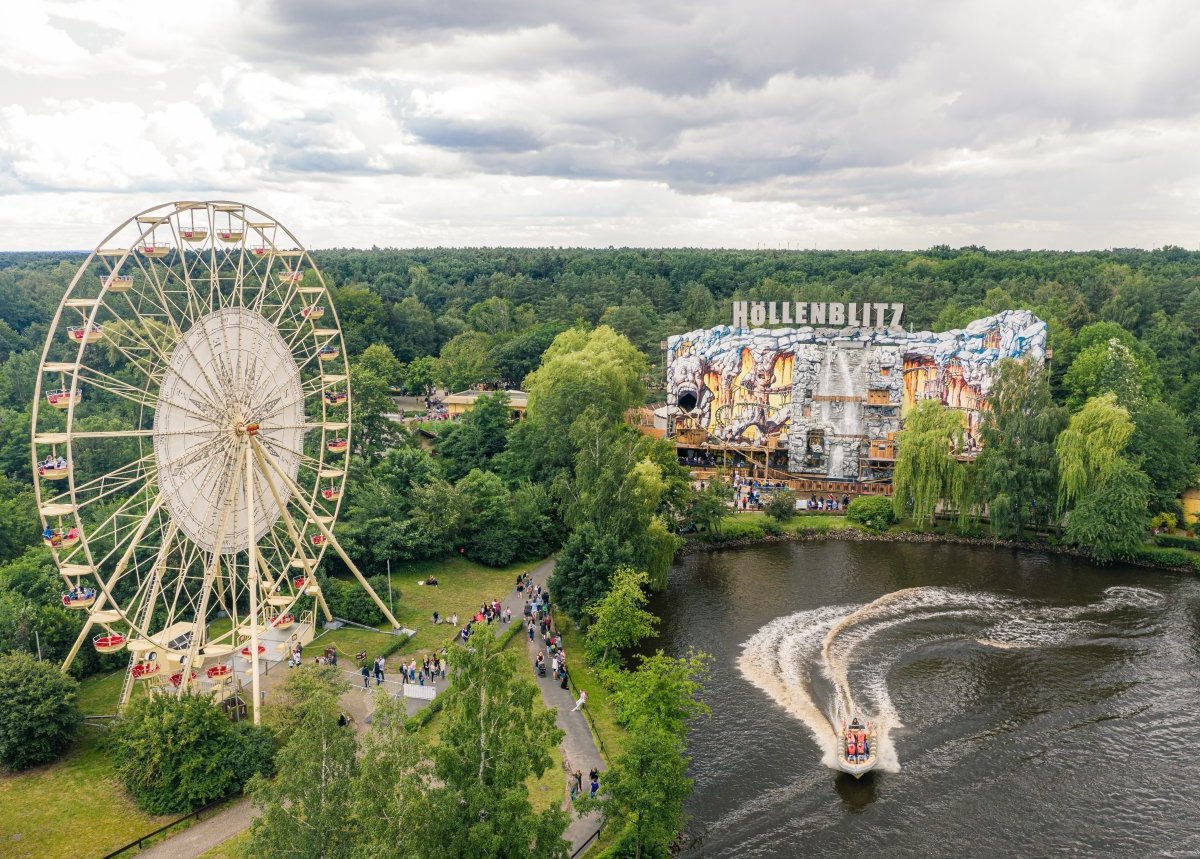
245	651
177	678
216	672
144	670
108	643
337	445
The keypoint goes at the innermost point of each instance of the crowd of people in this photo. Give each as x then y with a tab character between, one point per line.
830	502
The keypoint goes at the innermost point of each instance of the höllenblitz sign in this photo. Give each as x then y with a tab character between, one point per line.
818	314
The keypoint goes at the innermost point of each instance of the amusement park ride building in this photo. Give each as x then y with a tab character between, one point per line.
826	403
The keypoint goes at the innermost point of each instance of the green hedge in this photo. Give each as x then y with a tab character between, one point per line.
1167	557
1172	541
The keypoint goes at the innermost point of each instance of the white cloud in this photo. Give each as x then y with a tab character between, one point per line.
714	122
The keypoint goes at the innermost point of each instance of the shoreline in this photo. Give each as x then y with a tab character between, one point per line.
693	544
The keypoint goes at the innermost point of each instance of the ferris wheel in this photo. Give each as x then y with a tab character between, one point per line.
191	435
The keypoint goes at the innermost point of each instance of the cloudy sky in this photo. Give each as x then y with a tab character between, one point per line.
725	123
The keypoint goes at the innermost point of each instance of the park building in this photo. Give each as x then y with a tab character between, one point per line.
459	404
820	407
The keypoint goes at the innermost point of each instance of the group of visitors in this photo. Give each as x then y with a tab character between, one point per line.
577	784
80	594
56	537
829	502
329	657
52	461
427	671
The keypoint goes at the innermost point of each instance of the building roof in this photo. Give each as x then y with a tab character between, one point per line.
468	398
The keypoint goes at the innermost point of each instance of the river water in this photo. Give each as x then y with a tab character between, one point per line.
1028	704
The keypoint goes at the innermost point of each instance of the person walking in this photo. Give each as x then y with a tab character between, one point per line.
379	663
595	786
366	675
582	700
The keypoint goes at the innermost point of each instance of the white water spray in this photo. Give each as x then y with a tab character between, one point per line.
793	657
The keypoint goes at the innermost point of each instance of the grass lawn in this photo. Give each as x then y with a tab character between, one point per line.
799	522
98	694
74	807
462	587
234	848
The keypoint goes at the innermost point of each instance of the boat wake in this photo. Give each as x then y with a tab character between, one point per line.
826	664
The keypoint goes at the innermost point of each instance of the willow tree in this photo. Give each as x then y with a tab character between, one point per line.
1091	443
927	471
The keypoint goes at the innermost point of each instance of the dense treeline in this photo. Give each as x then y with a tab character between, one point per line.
1123	321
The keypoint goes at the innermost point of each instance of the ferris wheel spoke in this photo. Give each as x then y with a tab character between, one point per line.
116	480
150	274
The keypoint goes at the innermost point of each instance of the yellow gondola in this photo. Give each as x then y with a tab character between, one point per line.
314	311
53	472
337	445
230	235
328	353
80	334
193	235
117	282
336	398
291	276
79	598
331	493
283	621
56	538
157	250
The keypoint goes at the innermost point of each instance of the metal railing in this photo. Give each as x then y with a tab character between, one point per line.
137	844
585	845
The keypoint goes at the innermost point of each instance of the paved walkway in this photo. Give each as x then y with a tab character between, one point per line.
204	834
578	747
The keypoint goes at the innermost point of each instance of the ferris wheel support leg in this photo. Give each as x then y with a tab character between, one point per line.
149	601
106	587
303	502
252	570
205	589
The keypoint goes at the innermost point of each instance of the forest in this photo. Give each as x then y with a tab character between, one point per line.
1122	322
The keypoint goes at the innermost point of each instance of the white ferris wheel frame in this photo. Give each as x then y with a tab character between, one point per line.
150	553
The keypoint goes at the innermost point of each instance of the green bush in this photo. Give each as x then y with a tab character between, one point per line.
176	754
349	601
873	512
1166	557
780	505
1172	541
40	712
733	530
256	755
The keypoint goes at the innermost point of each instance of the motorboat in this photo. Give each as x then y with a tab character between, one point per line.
861	734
